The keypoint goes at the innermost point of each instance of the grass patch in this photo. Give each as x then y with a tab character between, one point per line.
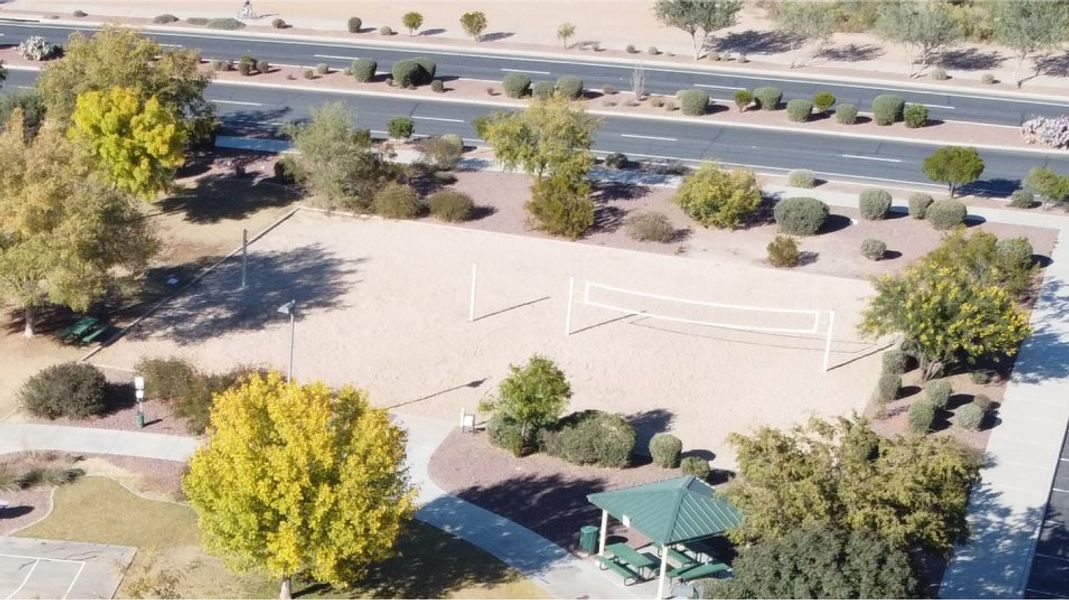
432	563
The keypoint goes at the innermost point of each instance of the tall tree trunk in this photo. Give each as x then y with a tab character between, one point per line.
1017	70
286	592
952	189
27	315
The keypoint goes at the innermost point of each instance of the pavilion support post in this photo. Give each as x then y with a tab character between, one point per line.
603	533
664	571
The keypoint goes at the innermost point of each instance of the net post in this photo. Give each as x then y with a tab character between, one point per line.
471	301
827	343
568	313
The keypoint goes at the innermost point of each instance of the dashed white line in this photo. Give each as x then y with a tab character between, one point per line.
526	71
336	57
876	158
172	45
442	119
717	87
648	137
238	102
1060	491
937	105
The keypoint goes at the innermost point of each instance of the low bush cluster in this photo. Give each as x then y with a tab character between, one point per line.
227	24
187	390
800	216
450	206
37	48
919	203
72	389
590	437
874	204
164	19
650	227
665	449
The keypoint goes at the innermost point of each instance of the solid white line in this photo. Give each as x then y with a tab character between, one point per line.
74	581
172	45
25	579
936	105
717	87
24	87
1060	490
648	137
876	158
237	102
526	71
335	57
442	119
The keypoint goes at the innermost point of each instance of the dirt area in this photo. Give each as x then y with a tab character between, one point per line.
534	29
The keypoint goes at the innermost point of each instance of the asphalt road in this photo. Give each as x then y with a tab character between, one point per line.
973	107
255	111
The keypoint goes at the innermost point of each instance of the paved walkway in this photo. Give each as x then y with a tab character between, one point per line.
17	437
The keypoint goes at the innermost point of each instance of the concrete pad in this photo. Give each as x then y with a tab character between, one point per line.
33	568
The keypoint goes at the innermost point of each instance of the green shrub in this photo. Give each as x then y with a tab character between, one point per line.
801	178
1022	199
693	102
516	85
937	391
915	115
442	152
570	87
400	128
166	379
743	99
246	64
428	70
286	170
590	437
921	416
946	214
656	101
846	114
438	86
279	24
1014	253
355	24
650	227
873	249
799	110
262	66
406	73
480	122
783	252
983	402
542	90
322	69
309	74
69	389
396	201
887	108
767	98
717	197
800	216
363	69
665	449
822	101
195	404
940	74
874	204
385	30
652	51
227	24
631	49
919	203
197	21
506	434
164	19
888	386
696	466
988	78
450	206
969	417
895	361
559	208
617	160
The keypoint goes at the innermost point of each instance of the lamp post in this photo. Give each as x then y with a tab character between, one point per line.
290	308
139	393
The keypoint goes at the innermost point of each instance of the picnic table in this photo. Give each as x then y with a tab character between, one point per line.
83	330
631	557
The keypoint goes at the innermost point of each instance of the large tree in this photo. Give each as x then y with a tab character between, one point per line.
954	166
1047	184
1029	26
63	233
699	18
924	28
912	492
300	480
808	21
549	138
531	397
341	164
136	144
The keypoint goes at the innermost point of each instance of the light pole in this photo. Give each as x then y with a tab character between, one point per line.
290	308
139	393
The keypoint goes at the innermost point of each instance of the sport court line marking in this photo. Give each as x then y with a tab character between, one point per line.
526	71
238	102
75	580
648	137
442	119
890	160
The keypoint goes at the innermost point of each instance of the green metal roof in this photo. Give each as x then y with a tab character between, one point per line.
670	511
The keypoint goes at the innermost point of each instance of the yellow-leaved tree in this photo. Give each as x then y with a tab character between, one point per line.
137	145
300	479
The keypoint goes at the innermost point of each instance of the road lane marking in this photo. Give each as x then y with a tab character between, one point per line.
648	137
936	105
526	71
172	45
717	87
238	102
442	119
336	57
876	158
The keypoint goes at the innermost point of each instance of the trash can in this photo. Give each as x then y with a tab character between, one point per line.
140	420
588	539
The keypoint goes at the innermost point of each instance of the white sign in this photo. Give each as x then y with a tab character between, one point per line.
626	521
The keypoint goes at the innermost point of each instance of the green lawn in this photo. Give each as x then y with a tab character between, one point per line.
432	564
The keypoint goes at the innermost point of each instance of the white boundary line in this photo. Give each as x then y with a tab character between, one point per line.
36	561
25	579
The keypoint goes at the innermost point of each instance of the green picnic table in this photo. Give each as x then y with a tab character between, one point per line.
83	330
631	557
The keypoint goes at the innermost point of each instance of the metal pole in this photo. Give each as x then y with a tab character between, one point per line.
664	570
244	256
604	532
827	344
293	329
471	303
568	315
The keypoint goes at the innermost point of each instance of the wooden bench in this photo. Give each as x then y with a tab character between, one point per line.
630	577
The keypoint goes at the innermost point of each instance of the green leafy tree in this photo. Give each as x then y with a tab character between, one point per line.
474	24
64	235
925	28
716	197
412	22
1029	27
954	166
808	22
300	480
821	562
699	18
979	255
1047	184
565	32
910	491
137	145
532	396
551	137
340	163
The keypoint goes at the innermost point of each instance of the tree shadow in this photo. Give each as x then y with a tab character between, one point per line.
216	305
997	187
647	423
1056	64
607	218
971	59
220	197
495	36
254	123
432	31
605	191
755	42
851	53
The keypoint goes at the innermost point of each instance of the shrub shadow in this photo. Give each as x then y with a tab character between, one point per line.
891	255
432	31
807	257
647	424
835	223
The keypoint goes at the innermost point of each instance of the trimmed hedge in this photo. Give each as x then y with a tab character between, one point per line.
355	23
397	201
887	108
946	214
570	86
693	102
846	114
873	249
799	110
506	434
363	69
665	449
516	85
895	361
590	437
767	97
800	216
921	416
915	115
71	389
1022	199
888	386
227	24
822	101
542	90
450	206
874	204
970	417
801	178
937	391
919	203
696	466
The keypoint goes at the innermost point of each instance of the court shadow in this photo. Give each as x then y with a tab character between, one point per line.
511	308
469	385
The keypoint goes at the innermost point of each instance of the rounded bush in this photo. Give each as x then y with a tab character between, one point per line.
400	127
969	417
767	97
650	227
846	114
227	24
437	86
693	102
617	160
385	30
988	78
801	178
363	69
665	449
822	101
542	90
799	110
516	85
396	201
743	99
921	416
355	24
895	361
919	203
874	204
631	49
887	108
1015	253
873	249
983	402
279	24
322	69
70	389
428	69
450	206
590	437
783	252
262	66
696	466
164	19
946	214
1022	199
286	170
413	72
800	216
656	101
246	65
652	51
570	86
940	74
506	434
308	73
915	115
937	391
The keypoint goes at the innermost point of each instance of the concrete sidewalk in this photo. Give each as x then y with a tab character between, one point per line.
18	437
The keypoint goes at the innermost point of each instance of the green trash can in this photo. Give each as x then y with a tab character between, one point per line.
588	539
